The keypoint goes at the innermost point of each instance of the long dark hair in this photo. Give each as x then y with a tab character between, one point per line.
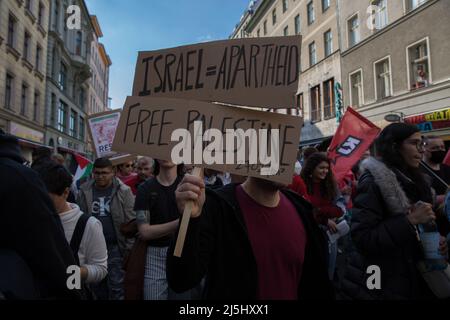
157	167
328	186
388	146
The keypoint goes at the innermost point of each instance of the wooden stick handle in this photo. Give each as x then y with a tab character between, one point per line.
185	220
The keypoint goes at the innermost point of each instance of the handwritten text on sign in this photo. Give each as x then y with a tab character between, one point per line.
260	72
147	127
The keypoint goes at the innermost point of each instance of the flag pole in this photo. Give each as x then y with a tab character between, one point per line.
429	170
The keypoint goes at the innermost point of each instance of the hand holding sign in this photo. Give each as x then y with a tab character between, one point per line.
190	197
191	188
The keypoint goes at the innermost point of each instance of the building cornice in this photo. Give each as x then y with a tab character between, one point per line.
258	14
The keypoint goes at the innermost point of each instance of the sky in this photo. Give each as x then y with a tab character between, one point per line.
130	26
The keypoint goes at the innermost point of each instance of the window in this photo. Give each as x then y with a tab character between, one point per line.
297	24
383	79
26	46
56	16
81	128
9	91
12	25
41	14
381	18
356	89
325	5
36	106
299	104
53	110
65	17
72	124
328	99
62	80
285	5
315	103
353	31
286	31
82	95
78	43
38	57
274	16
310	9
328	43
312	54
265	27
28	5
419	65
258	33
24	100
62	116
413	4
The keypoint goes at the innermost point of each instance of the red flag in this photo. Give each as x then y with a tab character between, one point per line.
447	158
353	137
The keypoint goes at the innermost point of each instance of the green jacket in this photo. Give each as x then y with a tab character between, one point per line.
121	206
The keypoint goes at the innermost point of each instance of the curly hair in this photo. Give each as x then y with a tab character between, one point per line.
328	186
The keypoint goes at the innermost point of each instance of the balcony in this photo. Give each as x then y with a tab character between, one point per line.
81	64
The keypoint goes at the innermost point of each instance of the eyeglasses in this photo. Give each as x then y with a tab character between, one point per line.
420	144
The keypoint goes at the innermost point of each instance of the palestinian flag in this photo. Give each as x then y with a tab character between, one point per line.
84	168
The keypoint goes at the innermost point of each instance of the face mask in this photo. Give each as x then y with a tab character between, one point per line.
438	156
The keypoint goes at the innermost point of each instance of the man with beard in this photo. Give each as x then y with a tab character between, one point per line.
433	156
256	240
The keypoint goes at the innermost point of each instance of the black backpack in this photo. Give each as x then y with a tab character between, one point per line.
75	246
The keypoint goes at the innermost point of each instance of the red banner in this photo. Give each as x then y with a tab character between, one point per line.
353	137
447	159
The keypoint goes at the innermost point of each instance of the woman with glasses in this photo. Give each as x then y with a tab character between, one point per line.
126	175
385	220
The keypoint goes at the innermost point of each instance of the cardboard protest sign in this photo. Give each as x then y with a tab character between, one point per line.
237	140
255	72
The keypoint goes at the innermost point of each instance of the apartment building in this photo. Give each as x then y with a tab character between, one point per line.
68	72
23	51
395	58
320	73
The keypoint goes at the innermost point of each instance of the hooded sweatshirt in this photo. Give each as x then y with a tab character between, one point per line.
92	253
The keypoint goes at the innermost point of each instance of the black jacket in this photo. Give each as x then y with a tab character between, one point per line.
217	244
385	238
29	224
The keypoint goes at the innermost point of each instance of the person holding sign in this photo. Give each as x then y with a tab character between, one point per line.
252	241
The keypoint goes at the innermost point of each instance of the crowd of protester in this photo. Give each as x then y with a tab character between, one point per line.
248	238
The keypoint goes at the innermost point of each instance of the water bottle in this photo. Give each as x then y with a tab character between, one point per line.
430	237
447	205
